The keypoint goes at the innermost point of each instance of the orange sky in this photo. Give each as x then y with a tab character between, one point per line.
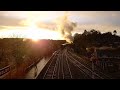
41	24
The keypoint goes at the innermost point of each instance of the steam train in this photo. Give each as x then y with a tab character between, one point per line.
66	45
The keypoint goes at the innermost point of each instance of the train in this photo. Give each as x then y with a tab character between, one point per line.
68	45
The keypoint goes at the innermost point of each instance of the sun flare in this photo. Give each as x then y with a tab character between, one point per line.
35	34
31	31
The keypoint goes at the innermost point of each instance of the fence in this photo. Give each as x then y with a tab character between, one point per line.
7	69
4	70
33	64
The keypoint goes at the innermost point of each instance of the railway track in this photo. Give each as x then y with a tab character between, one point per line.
58	68
89	65
66	65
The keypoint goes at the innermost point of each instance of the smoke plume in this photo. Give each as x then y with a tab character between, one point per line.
65	28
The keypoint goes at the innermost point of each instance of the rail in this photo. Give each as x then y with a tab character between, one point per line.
4	70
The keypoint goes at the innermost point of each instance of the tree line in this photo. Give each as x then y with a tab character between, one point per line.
95	38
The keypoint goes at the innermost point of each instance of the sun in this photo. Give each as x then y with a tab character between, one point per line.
36	34
33	33
31	30
35	39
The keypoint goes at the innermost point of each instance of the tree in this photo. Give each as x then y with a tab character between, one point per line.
76	36
85	32
115	32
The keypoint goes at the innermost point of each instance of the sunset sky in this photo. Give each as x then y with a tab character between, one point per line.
42	24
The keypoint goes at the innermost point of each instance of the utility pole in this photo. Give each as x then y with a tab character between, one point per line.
93	68
92	59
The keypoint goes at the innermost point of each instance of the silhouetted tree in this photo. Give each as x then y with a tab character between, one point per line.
85	32
115	32
94	38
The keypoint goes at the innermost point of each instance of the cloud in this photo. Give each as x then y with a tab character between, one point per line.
45	25
101	27
96	17
95	13
9	21
100	20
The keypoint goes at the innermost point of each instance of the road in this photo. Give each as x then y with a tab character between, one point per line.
65	64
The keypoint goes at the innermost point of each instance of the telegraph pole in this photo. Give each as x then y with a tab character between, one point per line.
92	59
93	68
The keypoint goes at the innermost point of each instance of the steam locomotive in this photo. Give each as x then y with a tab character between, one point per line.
66	45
